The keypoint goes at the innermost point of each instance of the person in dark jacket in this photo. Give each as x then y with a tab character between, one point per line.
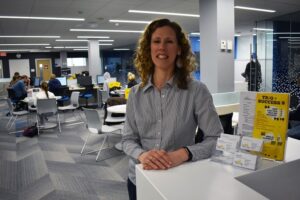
54	84
252	74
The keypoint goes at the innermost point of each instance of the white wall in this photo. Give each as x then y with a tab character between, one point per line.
19	65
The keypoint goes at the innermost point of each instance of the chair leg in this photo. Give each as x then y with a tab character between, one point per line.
37	124
58	121
8	123
85	142
104	140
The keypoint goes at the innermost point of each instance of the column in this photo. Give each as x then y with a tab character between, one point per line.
95	67
63	59
216	26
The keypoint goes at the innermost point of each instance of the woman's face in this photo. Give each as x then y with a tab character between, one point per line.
164	48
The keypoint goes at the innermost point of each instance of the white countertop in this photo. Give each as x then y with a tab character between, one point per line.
203	179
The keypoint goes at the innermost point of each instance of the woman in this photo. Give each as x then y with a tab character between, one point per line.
43	94
164	110
131	80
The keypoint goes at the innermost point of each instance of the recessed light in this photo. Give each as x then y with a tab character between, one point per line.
28	36
42	18
37	44
163	13
104	30
96	37
254	9
129	21
121	49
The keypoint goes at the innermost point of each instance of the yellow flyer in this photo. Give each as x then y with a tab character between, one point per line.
271	123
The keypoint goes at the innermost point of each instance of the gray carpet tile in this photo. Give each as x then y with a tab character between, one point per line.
30	169
8	174
7	195
40	188
67	195
83	170
50	166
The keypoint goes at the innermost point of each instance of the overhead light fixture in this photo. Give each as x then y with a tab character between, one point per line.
80	49
163	13
254	9
106	40
289	37
58	47
195	33
48	47
104	30
43	18
121	49
28	36
70	40
105	44
237	35
37	44
263	29
285	33
96	37
13	50
76	47
129	21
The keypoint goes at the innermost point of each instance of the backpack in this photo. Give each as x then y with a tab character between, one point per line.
30	131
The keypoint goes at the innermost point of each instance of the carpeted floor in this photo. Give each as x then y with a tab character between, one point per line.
50	166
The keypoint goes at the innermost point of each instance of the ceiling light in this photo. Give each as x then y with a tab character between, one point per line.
106	40
254	9
121	49
129	21
28	36
76	47
9	50
96	37
67	40
163	13
195	33
37	44
48	47
105	44
237	35
263	29
58	47
285	33
103	30
42	18
80	49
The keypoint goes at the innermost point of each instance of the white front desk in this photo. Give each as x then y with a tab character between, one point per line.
203	179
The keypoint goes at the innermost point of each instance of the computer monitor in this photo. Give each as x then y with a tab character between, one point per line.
36	82
84	80
62	80
100	79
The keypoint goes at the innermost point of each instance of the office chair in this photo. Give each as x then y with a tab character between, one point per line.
88	94
74	104
94	125
14	114
46	107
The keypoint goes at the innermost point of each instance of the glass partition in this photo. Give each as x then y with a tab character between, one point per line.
226	98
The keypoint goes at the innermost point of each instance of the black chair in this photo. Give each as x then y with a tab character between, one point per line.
87	94
63	92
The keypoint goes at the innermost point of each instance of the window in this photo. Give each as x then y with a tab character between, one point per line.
76	62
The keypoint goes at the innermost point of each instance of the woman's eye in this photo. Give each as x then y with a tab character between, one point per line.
156	41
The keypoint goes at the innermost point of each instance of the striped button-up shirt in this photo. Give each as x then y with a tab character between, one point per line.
167	119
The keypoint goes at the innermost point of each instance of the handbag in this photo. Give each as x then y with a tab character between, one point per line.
30	131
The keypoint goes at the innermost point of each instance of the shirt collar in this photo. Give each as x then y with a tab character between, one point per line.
170	83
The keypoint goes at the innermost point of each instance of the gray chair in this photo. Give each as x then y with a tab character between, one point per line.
95	126
104	96
14	114
46	107
74	104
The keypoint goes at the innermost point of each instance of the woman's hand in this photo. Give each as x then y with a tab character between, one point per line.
155	160
160	159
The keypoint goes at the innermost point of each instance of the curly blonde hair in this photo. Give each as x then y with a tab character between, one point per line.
144	63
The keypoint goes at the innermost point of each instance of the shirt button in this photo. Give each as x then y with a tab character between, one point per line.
158	133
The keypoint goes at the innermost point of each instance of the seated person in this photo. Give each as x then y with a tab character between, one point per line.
43	94
20	88
131	80
54	84
294	120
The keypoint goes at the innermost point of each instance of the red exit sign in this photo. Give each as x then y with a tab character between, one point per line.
2	54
